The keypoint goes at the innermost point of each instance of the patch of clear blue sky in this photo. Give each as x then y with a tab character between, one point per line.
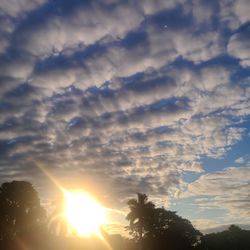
188	207
239	149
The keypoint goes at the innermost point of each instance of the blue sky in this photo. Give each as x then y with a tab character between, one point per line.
119	97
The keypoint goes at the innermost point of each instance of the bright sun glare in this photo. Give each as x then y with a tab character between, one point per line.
83	213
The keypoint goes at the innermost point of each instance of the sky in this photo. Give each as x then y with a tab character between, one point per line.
119	97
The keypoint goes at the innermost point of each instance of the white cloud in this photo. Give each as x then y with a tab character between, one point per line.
239	47
137	132
150	7
227	189
202	10
18	66
205	224
159	48
184	42
81	25
234	13
6	28
3	44
17	7
239	160
242	10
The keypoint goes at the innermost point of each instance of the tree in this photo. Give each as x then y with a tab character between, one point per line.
139	216
167	230
20	209
234	228
234	238
158	228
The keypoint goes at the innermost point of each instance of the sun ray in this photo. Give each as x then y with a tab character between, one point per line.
83	213
75	204
105	242
51	177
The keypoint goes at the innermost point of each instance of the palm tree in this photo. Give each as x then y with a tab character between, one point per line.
139	216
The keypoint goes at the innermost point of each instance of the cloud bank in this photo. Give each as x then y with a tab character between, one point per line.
127	96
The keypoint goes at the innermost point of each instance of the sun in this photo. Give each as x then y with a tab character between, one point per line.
84	214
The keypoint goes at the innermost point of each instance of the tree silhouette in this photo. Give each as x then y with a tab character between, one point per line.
167	230
139	216
234	228
234	238
157	228
20	209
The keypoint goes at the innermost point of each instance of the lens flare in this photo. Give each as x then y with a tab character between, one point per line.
83	213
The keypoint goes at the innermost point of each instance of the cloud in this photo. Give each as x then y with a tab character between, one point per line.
124	97
211	226
207	226
242	9
82	24
16	65
15	8
159	5
238	47
239	160
152	52
245	159
203	11
234	13
228	189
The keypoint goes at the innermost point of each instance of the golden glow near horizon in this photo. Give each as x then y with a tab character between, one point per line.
83	213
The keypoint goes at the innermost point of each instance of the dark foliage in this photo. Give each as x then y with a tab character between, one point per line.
139	216
170	231
23	226
234	238
20	209
158	228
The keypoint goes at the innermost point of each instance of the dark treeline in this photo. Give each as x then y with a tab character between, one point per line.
24	225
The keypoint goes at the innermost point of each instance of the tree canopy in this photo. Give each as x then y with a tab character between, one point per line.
158	227
234	238
151	227
139	216
20	209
